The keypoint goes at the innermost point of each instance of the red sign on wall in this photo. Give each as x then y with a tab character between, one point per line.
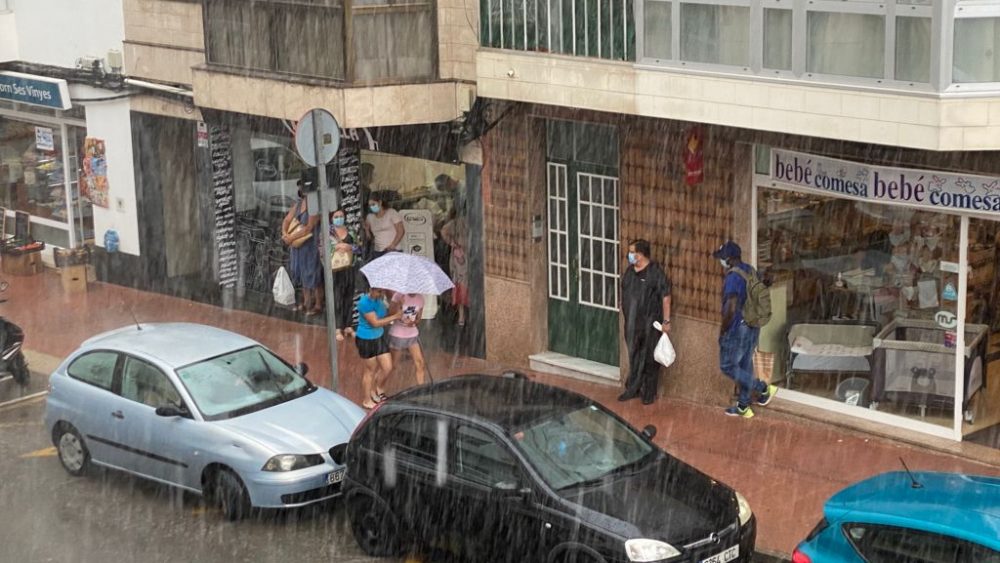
693	161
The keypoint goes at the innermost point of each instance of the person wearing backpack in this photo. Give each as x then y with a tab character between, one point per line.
746	306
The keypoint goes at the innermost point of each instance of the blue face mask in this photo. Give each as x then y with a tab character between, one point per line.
374	208
338	221
631	258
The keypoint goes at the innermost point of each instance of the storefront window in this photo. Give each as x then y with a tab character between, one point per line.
846	44
864	297
34	177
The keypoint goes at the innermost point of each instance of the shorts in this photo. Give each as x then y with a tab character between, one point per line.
374	348
397	343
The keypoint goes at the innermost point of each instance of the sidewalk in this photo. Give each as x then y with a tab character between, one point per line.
785	465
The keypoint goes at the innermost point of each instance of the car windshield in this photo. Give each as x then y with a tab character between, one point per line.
241	382
582	445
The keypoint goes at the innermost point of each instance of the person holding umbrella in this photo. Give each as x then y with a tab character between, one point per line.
412	276
373	317
404	334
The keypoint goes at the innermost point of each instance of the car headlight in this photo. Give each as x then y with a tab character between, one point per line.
745	512
649	550
291	462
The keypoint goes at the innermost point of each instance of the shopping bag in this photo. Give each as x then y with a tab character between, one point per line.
283	290
664	351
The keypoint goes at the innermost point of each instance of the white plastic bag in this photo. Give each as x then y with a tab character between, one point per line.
664	352
283	290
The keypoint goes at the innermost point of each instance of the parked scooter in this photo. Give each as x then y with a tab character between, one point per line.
12	362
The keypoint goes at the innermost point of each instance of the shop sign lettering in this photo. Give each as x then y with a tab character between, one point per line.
946	319
34	90
225	208
879	184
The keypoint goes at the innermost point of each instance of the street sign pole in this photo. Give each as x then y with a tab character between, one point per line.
324	145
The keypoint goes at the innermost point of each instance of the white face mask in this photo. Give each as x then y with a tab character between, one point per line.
932	242
724	263
899	238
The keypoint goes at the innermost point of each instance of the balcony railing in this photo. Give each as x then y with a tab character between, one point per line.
585	28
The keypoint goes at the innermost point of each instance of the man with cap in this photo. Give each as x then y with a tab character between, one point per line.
737	339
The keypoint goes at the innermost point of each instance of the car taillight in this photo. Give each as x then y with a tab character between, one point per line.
799	557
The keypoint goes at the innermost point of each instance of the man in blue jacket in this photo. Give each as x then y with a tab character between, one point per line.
737	339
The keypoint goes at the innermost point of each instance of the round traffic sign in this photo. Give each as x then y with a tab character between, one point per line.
317	137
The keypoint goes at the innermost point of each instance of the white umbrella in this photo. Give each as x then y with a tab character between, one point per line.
407	273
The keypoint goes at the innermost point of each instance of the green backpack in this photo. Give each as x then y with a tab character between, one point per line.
757	307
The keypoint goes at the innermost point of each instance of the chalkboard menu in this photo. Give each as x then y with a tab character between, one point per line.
349	162
225	205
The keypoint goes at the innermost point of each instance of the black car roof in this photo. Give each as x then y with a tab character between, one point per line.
510	402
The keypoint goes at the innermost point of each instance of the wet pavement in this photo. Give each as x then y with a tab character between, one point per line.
109	516
786	466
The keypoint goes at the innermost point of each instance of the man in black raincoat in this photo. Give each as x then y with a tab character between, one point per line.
645	299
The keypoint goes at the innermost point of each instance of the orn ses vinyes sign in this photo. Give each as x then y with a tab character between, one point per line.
41	91
928	189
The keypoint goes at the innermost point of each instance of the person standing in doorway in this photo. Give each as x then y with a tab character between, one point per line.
373	346
344	244
404	334
456	234
645	299
384	225
737	339
298	226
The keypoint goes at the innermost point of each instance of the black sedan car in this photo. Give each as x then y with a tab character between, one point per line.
505	469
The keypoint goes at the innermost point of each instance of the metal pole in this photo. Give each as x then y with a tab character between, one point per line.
324	214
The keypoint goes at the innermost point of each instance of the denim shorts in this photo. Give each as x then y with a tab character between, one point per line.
397	343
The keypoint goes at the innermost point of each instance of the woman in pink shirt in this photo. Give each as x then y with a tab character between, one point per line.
404	334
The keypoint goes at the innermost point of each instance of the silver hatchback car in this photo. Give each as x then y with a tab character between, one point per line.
202	409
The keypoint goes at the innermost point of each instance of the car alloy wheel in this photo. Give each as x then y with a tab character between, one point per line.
231	495
72	451
374	528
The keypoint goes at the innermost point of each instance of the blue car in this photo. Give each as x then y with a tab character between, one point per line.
900	517
202	409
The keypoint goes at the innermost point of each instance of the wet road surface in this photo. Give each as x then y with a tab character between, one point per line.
107	516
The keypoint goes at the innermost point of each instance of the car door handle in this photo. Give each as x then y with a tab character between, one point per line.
118	414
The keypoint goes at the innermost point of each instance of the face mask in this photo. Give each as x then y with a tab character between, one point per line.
932	242
374	208
338	221
631	258
901	263
918	241
724	263
899	238
928	266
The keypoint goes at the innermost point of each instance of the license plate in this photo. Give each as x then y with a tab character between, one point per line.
727	555
338	476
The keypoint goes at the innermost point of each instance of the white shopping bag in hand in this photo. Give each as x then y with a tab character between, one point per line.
283	290
664	352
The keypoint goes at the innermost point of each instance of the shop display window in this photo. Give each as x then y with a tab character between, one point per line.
34	179
864	294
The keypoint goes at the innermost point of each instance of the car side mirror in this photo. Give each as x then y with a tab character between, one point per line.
649	431
302	368
171	411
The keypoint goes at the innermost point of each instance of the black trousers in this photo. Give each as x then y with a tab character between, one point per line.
343	296
643	370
